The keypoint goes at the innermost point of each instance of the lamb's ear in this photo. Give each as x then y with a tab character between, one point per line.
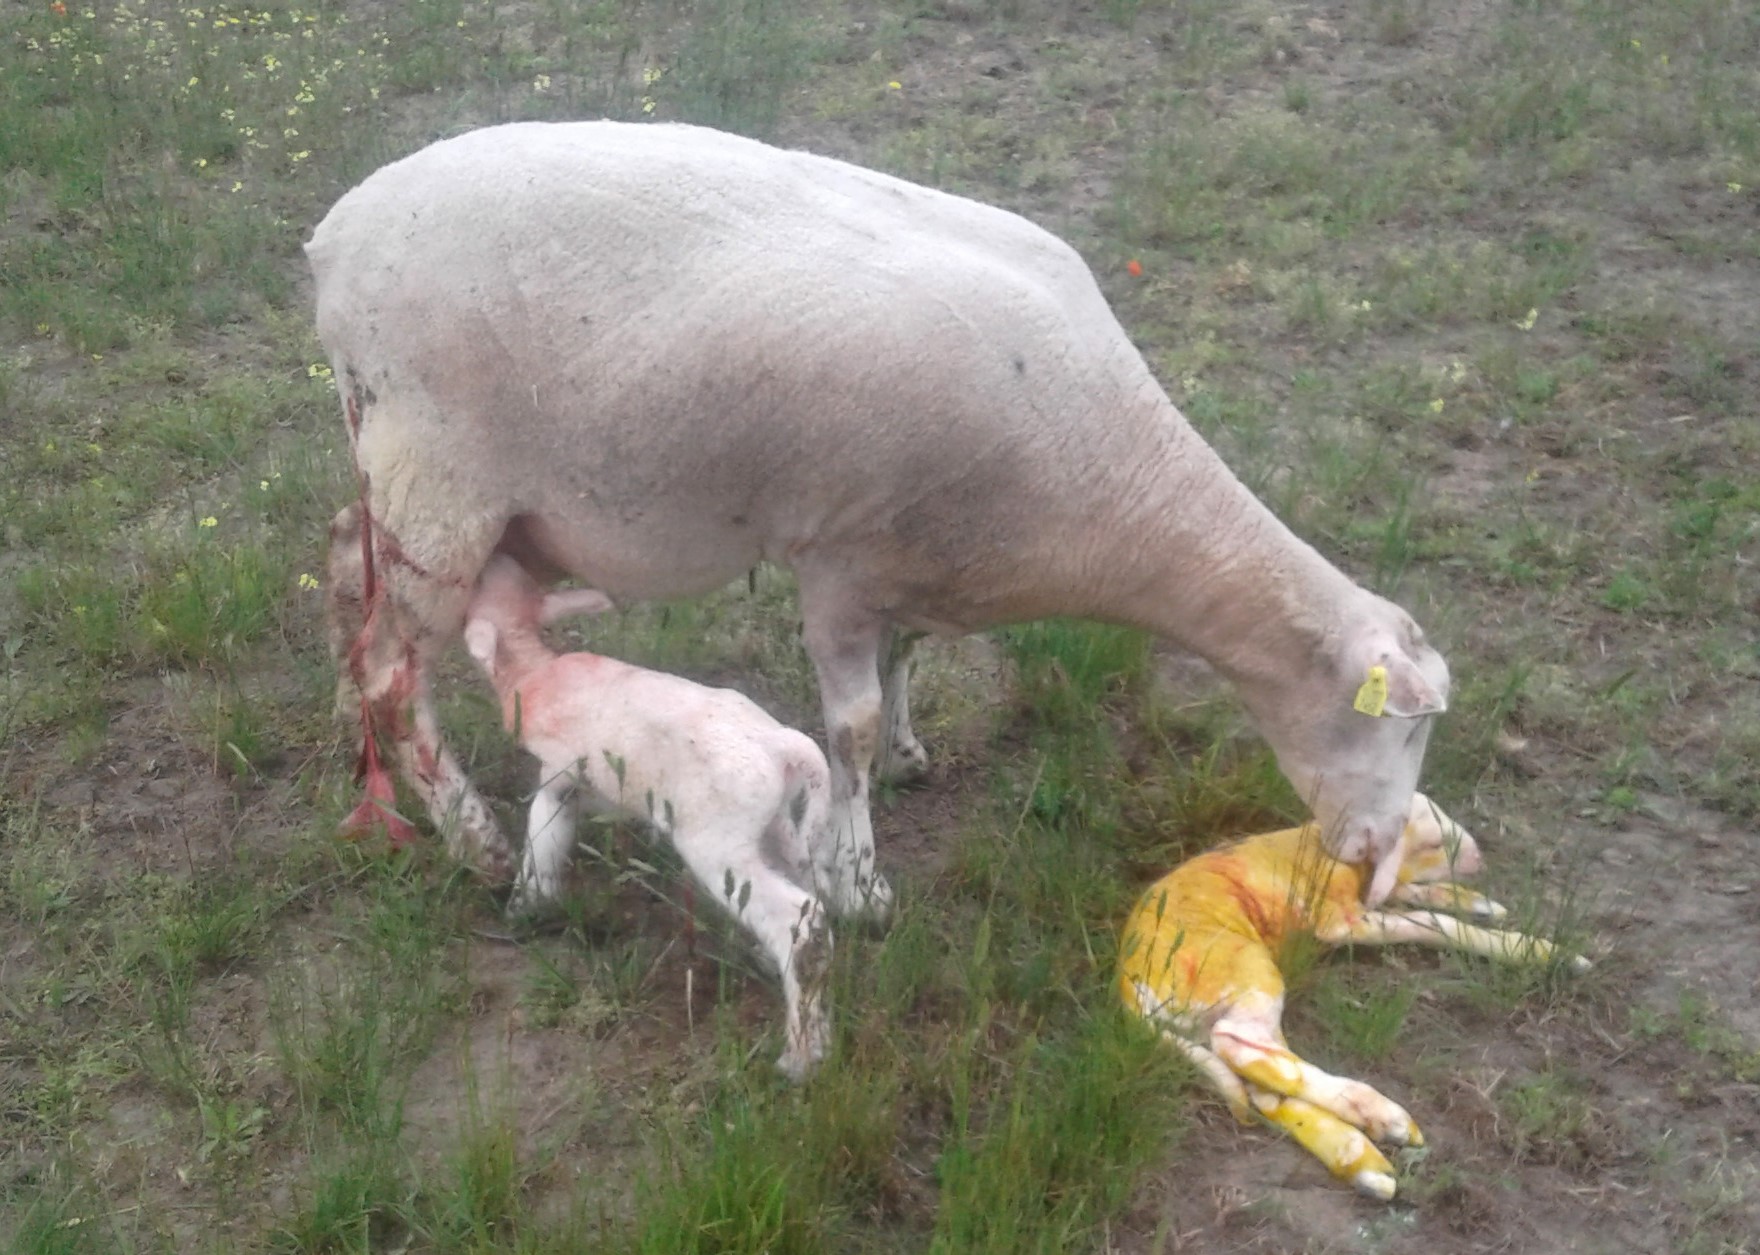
479	638
571	601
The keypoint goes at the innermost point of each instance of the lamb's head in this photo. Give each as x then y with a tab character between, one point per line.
508	609
1351	735
504	606
1434	847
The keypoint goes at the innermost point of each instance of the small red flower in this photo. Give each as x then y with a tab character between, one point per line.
58	9
1134	268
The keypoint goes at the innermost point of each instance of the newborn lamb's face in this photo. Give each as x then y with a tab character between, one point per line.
1436	848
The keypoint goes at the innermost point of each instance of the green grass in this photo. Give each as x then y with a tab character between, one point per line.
1458	292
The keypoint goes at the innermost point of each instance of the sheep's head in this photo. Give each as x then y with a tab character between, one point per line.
1352	738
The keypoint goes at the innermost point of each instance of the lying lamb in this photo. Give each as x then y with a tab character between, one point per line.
741	796
1199	959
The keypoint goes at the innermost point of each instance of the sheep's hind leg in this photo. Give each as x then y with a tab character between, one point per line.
844	644
403	707
902	757
345	610
405	619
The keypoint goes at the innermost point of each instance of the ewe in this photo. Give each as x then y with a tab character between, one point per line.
654	356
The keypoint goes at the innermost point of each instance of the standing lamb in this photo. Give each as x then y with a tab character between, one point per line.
740	795
654	356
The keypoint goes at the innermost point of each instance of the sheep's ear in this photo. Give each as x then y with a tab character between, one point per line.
479	638
571	601
1409	694
1392	684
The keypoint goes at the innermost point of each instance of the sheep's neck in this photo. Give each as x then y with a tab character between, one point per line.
1211	568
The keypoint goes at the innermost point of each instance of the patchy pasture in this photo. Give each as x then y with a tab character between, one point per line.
1468	293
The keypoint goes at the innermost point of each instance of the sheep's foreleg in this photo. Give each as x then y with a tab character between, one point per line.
1447	895
844	645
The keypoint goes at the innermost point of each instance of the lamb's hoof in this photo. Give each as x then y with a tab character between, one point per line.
531	903
1375	1184
872	905
798	1065
1398	1129
868	900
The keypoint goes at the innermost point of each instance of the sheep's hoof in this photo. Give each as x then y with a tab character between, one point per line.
906	763
475	839
494	865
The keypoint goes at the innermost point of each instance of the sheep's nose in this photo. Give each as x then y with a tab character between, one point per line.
1362	843
1386	875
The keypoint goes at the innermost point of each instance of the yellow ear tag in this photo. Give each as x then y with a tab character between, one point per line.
1372	697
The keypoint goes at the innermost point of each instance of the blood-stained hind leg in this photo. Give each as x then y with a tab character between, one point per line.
345	609
390	616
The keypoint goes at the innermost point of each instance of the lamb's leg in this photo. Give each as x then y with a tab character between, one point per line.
798	830
550	828
1248	1039
1445	932
1343	1149
902	756
1447	895
844	643
788	923
1173	1026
